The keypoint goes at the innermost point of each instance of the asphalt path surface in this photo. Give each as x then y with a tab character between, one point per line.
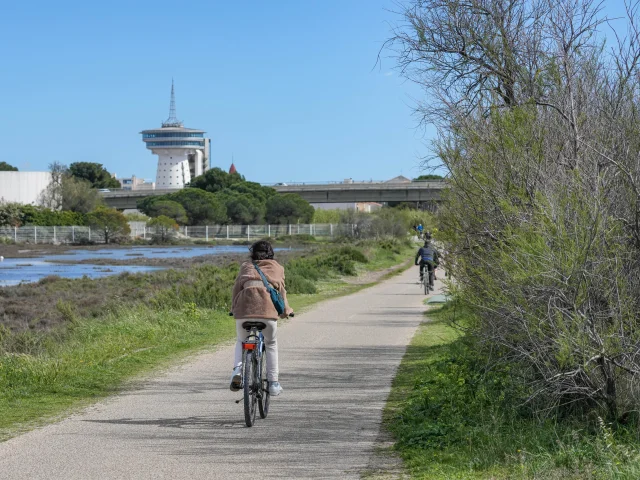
337	362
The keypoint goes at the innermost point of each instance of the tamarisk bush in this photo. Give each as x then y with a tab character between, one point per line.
539	128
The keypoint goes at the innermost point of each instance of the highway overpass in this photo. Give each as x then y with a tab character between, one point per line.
379	192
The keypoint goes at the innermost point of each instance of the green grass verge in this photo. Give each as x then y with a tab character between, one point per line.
377	256
453	419
46	374
97	356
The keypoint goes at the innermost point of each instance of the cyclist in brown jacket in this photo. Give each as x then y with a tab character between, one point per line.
250	300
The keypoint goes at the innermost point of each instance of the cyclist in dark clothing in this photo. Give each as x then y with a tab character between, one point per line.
427	256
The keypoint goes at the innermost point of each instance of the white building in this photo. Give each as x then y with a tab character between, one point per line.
23	187
183	153
135	183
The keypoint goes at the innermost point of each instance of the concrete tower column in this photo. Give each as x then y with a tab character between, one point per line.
173	168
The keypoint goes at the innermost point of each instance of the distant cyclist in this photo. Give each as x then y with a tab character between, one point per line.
429	257
420	229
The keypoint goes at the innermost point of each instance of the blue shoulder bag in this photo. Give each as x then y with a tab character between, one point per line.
276	298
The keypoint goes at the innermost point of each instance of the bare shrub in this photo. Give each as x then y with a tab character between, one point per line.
539	129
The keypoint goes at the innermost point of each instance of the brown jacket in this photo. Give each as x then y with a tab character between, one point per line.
254	301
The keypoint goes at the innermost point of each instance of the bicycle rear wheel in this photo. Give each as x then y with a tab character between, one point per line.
250	388
263	402
425	283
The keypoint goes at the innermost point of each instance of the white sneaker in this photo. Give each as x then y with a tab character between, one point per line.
236	379
274	389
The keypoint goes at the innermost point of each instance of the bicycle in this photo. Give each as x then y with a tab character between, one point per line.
254	373
255	384
428	279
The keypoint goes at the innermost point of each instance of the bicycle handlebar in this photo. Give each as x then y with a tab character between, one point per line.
292	314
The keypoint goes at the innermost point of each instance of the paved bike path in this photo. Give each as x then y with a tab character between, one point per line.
337	362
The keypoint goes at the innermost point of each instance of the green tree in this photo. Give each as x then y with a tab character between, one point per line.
45	217
430	176
202	207
288	208
242	209
10	214
215	180
94	173
164	227
326	216
5	167
136	217
78	196
168	208
253	189
109	222
146	203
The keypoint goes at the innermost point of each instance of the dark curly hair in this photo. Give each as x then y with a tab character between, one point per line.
261	250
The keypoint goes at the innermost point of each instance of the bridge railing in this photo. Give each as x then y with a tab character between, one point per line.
83	234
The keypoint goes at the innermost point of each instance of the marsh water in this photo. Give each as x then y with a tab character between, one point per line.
14	271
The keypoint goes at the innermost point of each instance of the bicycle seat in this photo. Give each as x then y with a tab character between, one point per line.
258	325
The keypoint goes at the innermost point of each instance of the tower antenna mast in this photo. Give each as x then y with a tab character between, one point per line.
172	121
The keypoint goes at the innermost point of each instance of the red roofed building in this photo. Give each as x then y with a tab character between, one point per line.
232	168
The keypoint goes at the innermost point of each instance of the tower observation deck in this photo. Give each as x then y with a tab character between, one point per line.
183	153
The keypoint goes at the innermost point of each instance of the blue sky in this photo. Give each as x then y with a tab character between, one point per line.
289	88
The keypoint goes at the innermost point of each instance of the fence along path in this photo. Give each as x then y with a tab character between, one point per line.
80	234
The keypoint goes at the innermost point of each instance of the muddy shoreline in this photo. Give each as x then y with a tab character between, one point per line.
51	301
35	250
213	259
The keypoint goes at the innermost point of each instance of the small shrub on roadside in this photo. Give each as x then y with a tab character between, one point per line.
354	253
299	284
49	279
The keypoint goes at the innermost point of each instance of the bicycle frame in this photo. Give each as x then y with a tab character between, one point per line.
254	342
255	395
428	277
